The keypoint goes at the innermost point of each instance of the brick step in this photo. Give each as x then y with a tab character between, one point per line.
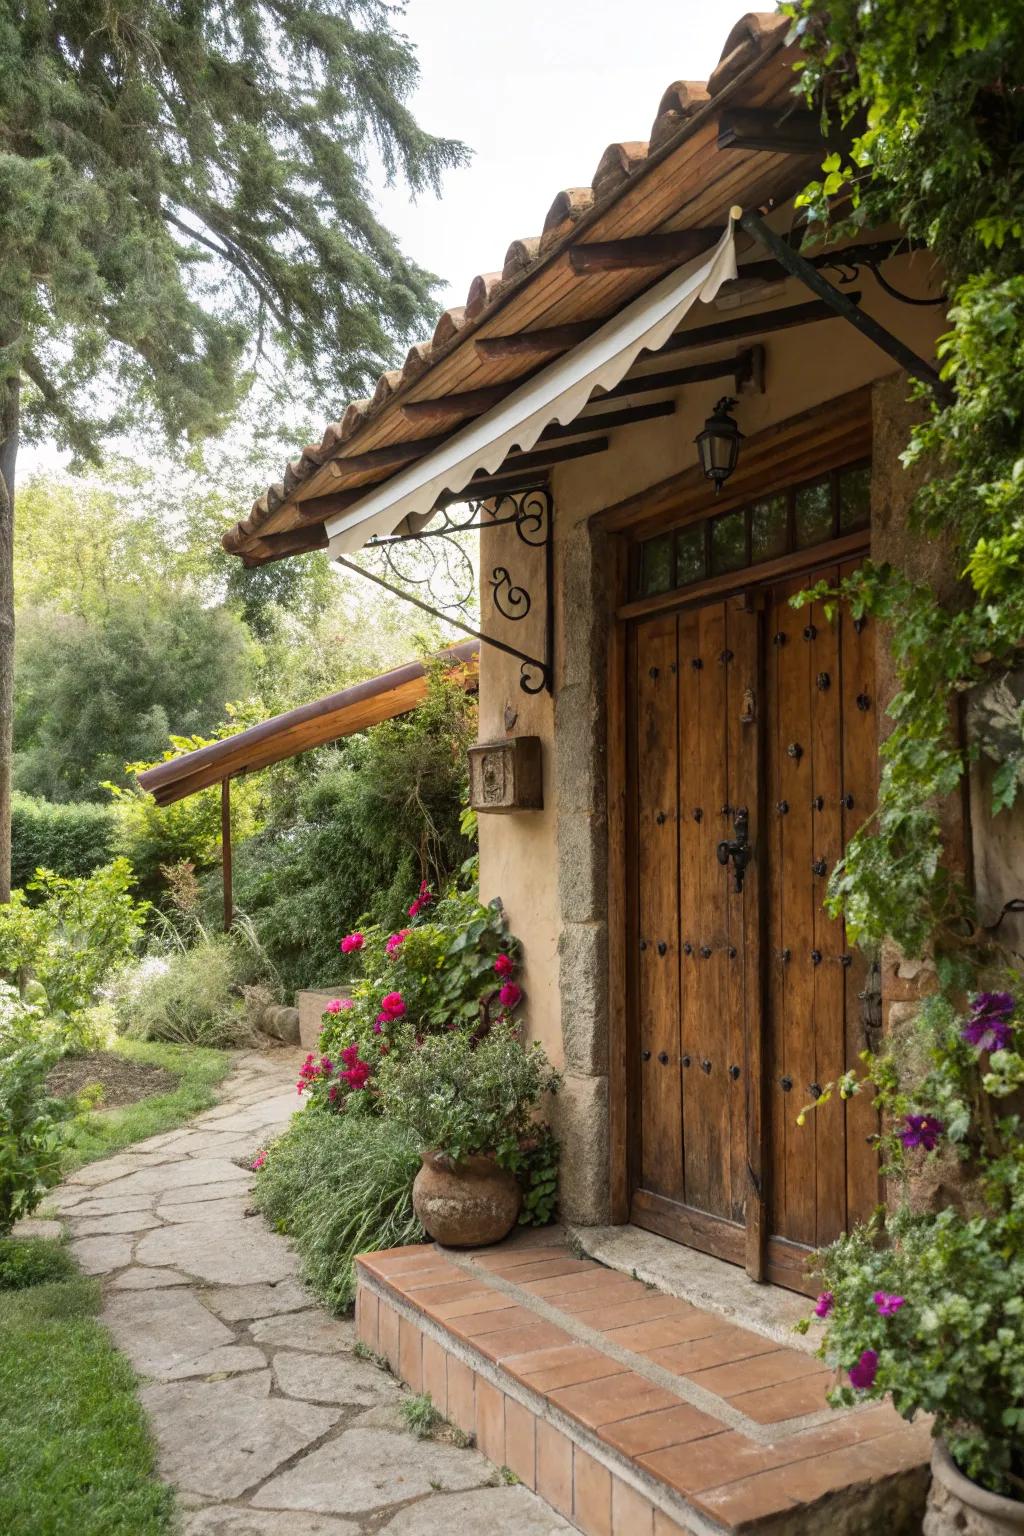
630	1411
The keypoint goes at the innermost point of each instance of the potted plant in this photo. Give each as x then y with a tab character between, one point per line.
471	1103
927	1305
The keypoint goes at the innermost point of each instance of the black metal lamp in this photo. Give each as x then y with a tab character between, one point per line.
719	443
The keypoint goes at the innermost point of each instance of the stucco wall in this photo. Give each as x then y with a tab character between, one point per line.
549	867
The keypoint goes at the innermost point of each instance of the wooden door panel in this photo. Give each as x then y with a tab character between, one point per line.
657	727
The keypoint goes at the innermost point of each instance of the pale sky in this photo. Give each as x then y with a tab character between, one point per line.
538	89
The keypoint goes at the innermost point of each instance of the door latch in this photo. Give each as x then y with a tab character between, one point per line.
737	850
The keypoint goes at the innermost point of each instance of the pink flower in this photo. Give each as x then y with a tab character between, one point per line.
378	1025
391	1007
351	942
888	1305
396	939
334	1006
862	1375
422	900
824	1304
510	994
345	1004
504	965
357	1074
332	1093
258	1161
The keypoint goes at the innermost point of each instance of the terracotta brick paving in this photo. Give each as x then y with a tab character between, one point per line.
626	1409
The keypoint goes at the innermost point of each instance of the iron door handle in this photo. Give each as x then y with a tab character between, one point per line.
737	849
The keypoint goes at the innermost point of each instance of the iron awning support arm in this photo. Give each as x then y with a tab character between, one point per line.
798	266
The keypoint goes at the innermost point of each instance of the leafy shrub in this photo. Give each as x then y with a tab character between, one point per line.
26	1261
29	1134
460	1096
384	814
340	1185
77	933
932	1309
197	995
71	839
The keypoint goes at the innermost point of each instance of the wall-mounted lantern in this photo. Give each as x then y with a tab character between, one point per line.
719	443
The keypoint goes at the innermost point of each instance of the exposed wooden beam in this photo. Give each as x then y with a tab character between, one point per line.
294	541
739	368
605	420
384	458
542	458
642	251
778	130
225	852
748	325
315	508
470	402
551	338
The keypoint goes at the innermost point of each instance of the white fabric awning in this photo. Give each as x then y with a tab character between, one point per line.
558	393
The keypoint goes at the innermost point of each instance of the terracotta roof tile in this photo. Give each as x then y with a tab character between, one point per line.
751	36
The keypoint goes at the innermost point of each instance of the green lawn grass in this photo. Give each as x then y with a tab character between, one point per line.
199	1070
76	1458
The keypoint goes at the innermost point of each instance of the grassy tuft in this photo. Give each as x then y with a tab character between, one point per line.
101	1132
340	1185
420	1415
26	1261
75	1452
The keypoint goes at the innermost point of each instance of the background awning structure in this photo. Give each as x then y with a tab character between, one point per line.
329	719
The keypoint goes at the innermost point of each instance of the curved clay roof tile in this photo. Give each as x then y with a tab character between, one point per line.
449	325
481	291
293	475
386	386
417	361
355	414
275	497
570	205
748	38
680	101
519	256
618	162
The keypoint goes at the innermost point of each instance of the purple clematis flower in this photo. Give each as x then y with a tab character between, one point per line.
887	1304
824	1304
989	1027
862	1375
920	1131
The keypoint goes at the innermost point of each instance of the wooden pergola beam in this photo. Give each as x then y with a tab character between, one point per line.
470	402
642	251
750	325
548	338
779	131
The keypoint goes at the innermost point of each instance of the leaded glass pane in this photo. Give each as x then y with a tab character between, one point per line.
656	573
689	555
769	528
854	498
814	513
728	543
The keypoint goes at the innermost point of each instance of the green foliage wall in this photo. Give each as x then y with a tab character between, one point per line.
69	839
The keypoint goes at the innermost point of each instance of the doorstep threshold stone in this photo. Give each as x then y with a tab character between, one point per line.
698	1278
630	1410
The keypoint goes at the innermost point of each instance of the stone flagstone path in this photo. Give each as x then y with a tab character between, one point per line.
266	1420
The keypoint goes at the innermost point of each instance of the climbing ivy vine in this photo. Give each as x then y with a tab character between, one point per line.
930	95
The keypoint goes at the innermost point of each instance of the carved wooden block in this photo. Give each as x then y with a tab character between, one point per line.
506	775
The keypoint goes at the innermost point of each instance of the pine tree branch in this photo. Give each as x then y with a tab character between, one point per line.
75	426
229	252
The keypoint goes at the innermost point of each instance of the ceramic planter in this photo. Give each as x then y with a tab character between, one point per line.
467	1204
958	1507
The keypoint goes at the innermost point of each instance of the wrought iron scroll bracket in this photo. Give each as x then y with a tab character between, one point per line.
529	514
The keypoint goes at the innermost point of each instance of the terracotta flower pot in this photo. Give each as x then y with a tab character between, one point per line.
958	1507
467	1204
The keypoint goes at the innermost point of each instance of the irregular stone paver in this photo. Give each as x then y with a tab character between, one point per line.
336	1379
226	1253
364	1469
264	1416
496	1511
222	1520
313	1329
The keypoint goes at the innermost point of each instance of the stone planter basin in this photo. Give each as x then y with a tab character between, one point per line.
958	1507
467	1204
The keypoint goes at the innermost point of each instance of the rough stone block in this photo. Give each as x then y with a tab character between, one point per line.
581	1124
582	866
583	989
311	1007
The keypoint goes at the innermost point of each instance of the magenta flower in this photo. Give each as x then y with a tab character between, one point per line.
345	1004
989	1027
510	994
392	1006
396	939
504	965
862	1375
422	900
334	1006
378	1024
351	942
824	1304
921	1131
887	1304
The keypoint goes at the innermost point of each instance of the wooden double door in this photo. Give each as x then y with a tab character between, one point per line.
752	761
